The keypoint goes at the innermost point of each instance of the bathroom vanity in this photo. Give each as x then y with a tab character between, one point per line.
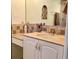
43	46
40	45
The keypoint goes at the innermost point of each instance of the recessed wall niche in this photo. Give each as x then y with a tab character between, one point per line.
44	12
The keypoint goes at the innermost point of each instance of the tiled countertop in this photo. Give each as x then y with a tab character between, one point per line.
18	36
56	39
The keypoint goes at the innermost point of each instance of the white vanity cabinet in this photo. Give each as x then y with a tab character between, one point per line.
50	50
38	49
29	48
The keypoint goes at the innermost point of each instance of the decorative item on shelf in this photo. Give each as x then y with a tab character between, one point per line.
44	12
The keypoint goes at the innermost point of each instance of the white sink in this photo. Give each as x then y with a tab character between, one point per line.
50	36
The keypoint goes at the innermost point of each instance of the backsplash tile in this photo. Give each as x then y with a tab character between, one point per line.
19	28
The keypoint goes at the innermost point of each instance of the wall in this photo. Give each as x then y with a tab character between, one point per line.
34	10
18	11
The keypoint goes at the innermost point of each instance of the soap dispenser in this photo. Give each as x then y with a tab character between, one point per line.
25	28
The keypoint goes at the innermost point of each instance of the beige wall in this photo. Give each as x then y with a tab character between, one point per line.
18	11
34	9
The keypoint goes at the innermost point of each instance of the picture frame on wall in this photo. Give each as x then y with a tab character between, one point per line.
44	12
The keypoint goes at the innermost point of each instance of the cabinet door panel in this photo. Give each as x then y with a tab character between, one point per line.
49	53
29	50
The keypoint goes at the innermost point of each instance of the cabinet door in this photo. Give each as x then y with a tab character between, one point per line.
29	48
50	51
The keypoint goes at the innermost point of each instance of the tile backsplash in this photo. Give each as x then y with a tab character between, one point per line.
19	28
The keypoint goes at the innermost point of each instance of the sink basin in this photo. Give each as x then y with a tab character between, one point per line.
49	36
